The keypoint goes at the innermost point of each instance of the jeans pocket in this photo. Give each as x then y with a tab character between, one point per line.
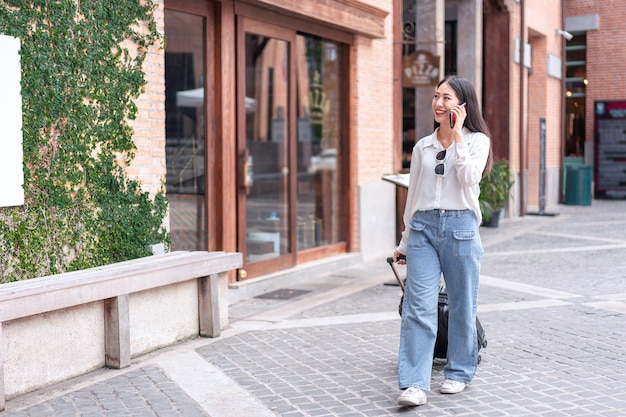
463	243
416	225
417	238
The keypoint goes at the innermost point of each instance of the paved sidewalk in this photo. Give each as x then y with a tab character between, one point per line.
552	301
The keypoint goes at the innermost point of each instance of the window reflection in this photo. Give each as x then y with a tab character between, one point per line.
319	146
267	126
185	129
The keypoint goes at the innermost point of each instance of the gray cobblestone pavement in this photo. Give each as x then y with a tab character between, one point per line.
552	301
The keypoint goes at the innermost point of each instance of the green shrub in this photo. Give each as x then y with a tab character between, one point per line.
495	188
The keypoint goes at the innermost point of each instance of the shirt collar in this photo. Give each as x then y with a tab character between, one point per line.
431	140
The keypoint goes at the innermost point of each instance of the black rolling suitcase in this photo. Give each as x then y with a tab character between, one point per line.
441	343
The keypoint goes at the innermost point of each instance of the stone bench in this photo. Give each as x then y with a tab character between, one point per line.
107	290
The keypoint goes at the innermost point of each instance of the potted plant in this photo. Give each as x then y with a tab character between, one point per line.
494	192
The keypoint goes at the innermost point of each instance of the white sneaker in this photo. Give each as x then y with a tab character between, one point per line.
412	396
451	386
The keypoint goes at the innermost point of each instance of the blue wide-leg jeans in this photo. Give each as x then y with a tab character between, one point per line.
440	242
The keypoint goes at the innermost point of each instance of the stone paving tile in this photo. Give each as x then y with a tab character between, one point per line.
535	364
582	273
377	299
548	361
145	392
541	241
337	364
384	298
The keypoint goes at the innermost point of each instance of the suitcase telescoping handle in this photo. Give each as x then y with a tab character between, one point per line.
395	272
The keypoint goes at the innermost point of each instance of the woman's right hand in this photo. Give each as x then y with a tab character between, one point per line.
399	258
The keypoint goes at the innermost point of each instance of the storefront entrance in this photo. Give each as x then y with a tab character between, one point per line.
289	129
273	100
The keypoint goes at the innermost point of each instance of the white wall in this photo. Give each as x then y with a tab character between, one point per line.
52	347
377	203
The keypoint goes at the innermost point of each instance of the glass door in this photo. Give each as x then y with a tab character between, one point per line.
265	214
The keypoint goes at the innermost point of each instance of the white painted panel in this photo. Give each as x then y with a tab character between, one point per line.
554	66
582	23
11	169
528	53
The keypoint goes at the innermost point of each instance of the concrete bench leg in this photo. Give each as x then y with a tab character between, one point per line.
2	399
116	332
209	306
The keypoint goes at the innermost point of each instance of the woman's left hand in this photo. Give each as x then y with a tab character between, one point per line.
460	113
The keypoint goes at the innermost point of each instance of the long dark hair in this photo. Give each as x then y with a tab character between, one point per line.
474	121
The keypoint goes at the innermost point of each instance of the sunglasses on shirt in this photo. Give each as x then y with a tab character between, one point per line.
440	168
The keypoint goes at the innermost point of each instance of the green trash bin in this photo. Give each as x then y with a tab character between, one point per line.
578	185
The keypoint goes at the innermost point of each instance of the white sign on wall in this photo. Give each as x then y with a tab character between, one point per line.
554	66
528	53
11	155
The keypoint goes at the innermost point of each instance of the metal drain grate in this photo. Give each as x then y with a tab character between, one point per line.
282	294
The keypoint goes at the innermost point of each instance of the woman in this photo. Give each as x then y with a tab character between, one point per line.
441	218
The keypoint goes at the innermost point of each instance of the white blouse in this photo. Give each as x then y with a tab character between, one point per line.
457	188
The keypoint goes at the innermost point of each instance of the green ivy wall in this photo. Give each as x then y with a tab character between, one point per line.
81	72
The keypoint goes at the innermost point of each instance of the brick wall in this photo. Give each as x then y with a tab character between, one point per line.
372	117
149	126
373	104
544	97
514	93
605	56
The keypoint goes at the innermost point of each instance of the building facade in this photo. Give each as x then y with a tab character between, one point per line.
596	92
522	99
270	126
272	123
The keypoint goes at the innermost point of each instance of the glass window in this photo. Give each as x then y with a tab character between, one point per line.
319	68
575	86
576	63
451	47
185	129
267	144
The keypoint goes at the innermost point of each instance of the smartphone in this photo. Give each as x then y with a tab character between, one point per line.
453	116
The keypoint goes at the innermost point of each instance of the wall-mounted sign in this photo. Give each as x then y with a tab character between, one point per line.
421	68
610	136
